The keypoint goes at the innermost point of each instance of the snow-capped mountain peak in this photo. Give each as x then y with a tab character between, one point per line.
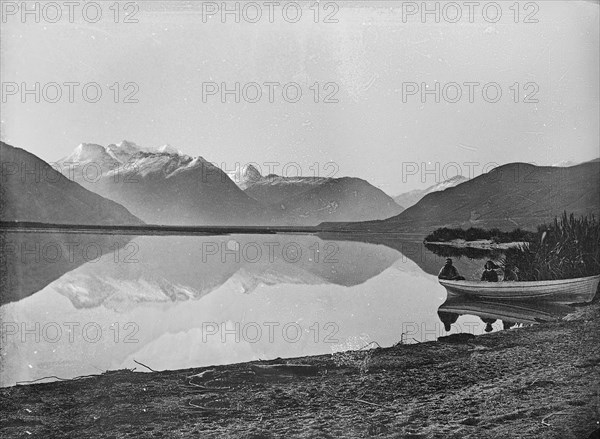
126	157
124	150
126	145
90	152
245	176
252	173
168	149
88	149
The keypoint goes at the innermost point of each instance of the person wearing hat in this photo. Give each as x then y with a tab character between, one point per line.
489	273
449	272
511	273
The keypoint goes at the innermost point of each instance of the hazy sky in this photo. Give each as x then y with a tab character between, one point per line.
369	53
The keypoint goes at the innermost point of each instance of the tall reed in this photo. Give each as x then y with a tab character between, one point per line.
568	248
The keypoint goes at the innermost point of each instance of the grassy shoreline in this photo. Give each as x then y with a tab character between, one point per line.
532	382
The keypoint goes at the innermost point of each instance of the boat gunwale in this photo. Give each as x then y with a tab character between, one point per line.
505	285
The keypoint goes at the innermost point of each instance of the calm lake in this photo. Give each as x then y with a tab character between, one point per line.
78	304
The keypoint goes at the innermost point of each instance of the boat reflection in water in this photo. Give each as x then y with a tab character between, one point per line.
511	312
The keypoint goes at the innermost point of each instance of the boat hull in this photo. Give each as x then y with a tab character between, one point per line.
565	290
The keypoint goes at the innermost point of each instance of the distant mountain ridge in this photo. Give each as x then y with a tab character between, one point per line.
273	188
164	186
312	200
569	163
33	191
340	199
411	198
510	196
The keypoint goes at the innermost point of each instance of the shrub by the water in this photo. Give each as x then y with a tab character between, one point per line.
568	248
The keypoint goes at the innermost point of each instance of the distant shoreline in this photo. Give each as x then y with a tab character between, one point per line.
156	230
153	229
149	229
481	244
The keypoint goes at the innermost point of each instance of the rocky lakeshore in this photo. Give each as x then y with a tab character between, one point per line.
531	382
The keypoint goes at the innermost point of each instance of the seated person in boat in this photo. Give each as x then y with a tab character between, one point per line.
489	274
449	272
511	273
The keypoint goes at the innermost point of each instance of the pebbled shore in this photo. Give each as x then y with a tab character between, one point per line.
533	382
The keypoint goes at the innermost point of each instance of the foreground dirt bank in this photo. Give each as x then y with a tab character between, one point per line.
535	382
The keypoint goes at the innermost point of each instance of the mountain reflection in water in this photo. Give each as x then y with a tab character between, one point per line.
178	302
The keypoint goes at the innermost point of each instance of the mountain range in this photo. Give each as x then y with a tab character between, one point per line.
312	200
507	197
165	186
274	188
162	186
128	184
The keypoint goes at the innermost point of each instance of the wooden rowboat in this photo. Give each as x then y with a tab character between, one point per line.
581	289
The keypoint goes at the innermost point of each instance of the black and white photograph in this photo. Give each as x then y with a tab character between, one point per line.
300	219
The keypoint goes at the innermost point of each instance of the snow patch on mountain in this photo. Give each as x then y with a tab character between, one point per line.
565	164
168	149
411	198
125	150
245	176
91	152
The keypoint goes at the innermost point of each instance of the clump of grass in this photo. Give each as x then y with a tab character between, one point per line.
360	360
568	248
